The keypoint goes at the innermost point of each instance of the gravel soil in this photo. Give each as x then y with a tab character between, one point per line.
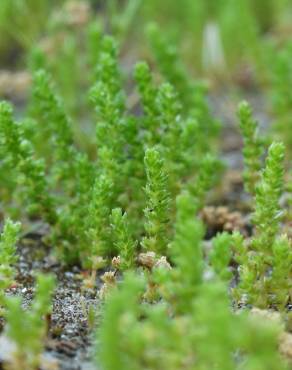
69	338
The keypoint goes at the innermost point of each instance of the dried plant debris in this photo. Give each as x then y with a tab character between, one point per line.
222	219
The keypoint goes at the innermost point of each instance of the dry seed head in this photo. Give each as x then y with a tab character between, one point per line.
266	314
147	259
162	263
285	346
109	277
116	262
222	218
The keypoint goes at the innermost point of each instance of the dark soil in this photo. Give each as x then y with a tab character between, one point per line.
69	337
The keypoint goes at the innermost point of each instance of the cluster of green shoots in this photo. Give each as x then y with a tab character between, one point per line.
95	202
265	260
179	315
190	324
140	192
9	238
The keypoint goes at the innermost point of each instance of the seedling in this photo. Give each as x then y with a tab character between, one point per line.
8	240
30	171
157	209
252	149
28	329
261	277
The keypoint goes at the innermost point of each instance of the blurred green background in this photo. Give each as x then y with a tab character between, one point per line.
230	42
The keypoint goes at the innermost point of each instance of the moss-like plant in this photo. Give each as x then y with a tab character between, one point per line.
252	149
124	242
76	195
205	179
98	220
186	252
121	304
48	107
147	89
192	94
268	213
158	203
179	134
221	255
261	278
136	336
27	329
30	171
109	102
8	240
